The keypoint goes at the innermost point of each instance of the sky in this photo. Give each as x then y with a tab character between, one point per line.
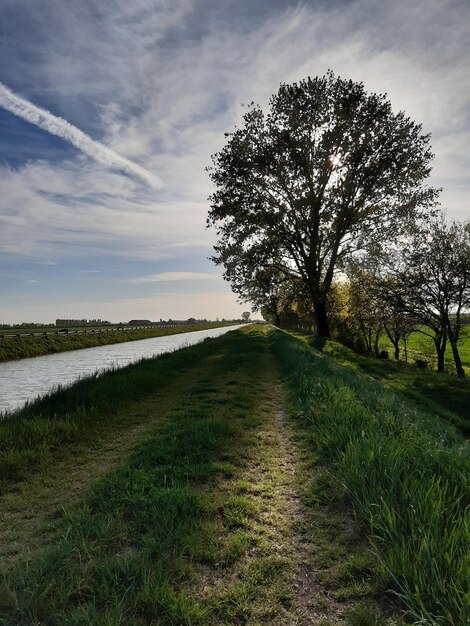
110	111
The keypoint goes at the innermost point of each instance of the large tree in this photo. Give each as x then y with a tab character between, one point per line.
328	169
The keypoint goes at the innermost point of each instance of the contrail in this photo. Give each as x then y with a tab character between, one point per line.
60	127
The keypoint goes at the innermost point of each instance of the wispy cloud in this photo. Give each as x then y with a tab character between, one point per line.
165	277
61	128
160	81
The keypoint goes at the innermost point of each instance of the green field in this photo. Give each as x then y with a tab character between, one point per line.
250	479
51	328
421	347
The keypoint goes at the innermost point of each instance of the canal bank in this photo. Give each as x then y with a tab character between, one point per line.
13	347
24	380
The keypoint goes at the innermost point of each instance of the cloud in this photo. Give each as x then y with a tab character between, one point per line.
61	128
161	81
80	210
175	276
181	109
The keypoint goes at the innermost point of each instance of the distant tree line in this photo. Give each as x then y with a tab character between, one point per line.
25	325
325	220
69	323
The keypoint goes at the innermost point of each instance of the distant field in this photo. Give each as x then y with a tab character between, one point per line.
421	346
50	329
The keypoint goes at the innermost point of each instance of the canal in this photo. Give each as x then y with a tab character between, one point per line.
24	380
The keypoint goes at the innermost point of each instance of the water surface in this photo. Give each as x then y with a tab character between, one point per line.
27	379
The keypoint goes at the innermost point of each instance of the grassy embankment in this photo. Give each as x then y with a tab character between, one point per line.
205	516
24	347
224	511
440	394
406	472
421	346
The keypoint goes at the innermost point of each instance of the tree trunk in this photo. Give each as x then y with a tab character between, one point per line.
366	336
440	344
376	343
455	352
321	319
395	340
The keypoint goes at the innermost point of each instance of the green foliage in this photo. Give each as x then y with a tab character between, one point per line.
407	475
300	188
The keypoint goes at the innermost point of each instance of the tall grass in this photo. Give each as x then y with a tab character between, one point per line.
407	474
29	435
440	394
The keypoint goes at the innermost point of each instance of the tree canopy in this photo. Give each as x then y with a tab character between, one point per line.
327	171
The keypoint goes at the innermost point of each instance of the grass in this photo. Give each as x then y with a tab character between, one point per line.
151	541
25	347
224	512
30	436
128	553
439	394
200	522
422	347
406	472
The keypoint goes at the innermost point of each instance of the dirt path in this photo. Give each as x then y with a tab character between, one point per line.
286	519
275	581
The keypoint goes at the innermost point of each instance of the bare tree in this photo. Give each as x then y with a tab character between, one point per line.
434	275
397	323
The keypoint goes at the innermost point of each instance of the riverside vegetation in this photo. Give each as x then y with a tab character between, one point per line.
249	479
24	347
